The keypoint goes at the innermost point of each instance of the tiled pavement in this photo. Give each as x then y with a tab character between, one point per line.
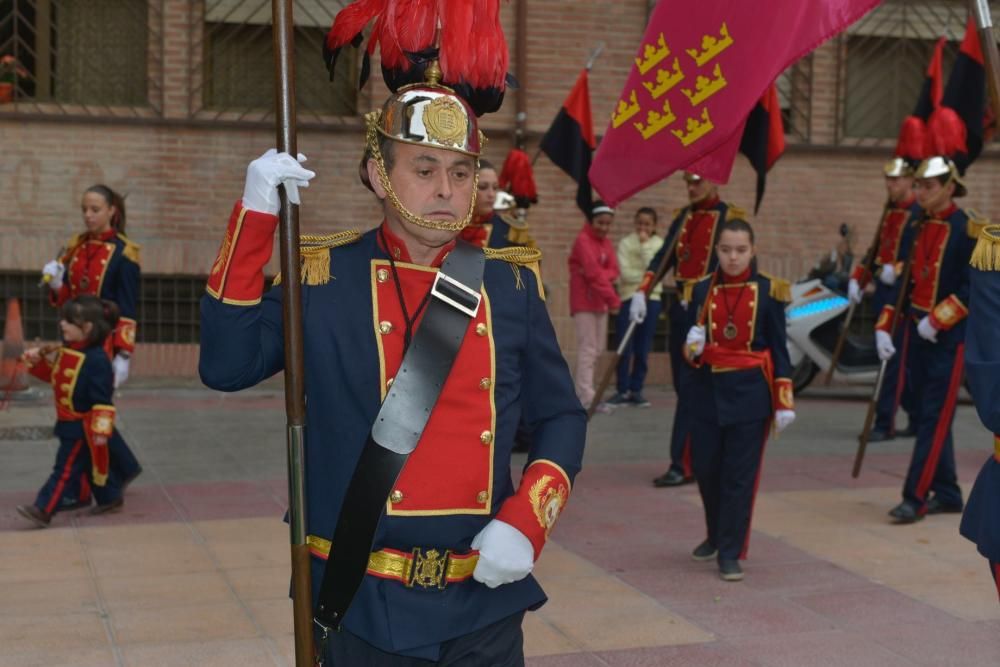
194	571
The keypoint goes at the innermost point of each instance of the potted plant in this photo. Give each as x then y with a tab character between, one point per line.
10	71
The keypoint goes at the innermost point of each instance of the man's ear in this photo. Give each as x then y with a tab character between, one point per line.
375	180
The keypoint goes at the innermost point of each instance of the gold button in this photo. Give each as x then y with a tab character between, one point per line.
395	252
385	327
382	275
713	325
388	383
396	496
486	437
485	383
714	306
480	329
481	497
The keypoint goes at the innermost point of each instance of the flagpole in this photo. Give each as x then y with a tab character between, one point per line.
991	59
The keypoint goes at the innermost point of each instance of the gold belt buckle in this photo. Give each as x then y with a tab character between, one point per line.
429	569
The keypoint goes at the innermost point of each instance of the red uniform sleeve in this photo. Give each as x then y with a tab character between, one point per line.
948	313
884	322
98	426
41	370
237	276
542	494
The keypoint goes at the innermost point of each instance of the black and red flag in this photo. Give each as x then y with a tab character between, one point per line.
914	143
966	94
570	143
763	139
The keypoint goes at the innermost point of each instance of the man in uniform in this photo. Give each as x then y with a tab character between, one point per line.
448	577
934	312
894	238
495	225
696	228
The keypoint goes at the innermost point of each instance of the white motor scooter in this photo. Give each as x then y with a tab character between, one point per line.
813	322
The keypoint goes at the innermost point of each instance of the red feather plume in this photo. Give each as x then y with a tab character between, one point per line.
947	132
518	179
913	140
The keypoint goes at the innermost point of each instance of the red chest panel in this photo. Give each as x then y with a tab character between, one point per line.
891	234
732	315
451	470
926	265
694	246
64	377
87	263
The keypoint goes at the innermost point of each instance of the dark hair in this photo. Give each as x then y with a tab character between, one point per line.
113	199
486	164
737	225
385	147
648	210
101	314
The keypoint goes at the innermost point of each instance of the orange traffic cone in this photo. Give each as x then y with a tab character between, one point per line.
12	373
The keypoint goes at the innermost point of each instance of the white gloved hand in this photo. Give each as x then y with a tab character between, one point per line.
854	290
783	419
884	346
52	273
266	173
888	274
637	307
695	341
927	330
505	554
120	366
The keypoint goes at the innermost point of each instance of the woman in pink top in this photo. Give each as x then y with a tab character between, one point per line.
593	268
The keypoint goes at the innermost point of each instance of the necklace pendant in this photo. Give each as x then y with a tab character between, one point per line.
686	254
729	332
84	283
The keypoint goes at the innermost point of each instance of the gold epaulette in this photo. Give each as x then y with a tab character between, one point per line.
131	250
975	224
520	256
986	256
736	213
781	289
677	212
687	292
513	221
314	251
73	242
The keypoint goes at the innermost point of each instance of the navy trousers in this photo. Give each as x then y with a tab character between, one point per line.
896	391
680	435
498	645
634	362
123	461
71	478
727	462
936	374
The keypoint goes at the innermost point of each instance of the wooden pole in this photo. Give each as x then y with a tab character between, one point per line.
288	234
987	41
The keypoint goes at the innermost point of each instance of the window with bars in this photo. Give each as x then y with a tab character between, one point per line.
235	78
795	97
82	56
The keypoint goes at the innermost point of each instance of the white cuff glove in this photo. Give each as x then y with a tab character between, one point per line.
695	341
884	346
927	330
783	419
854	290
120	366
637	307
888	275
505	554
266	173
52	273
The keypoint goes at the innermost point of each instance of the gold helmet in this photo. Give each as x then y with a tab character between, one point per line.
936	166
897	167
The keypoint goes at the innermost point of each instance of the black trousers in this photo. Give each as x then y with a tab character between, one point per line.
498	645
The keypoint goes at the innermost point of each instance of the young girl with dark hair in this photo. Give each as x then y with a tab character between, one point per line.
82	383
740	388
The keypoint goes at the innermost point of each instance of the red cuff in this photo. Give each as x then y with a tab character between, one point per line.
98	426
783	394
124	335
539	499
861	274
647	283
42	370
948	313
237	275
884	322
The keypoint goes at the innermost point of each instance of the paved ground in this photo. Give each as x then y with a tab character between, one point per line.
194	571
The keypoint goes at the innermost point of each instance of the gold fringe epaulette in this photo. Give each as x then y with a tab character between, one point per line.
975	224
131	250
314	251
986	256
513	221
520	256
736	213
781	289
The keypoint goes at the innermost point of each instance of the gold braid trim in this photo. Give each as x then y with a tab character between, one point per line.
975	224
986	256
131	249
687	292
781	289
517	256
736	213
315	255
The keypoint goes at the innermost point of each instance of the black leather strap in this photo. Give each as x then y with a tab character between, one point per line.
398	426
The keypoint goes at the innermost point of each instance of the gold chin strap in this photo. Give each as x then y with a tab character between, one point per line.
372	120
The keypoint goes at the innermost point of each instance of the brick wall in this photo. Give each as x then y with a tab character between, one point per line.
182	176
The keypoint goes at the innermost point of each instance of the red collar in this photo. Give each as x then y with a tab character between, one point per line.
944	213
480	220
705	204
397	248
103	236
741	278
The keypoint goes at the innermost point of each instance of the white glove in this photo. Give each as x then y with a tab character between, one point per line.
52	273
637	307
266	173
884	346
120	366
505	554
695	341
927	330
854	290
888	275
783	419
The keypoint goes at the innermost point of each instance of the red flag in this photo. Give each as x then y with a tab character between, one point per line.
699	71
569	141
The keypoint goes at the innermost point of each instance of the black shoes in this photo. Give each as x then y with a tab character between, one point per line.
935	506
620	399
909	432
704	551
730	570
904	512
671	478
40	518
878	435
113	506
639	401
